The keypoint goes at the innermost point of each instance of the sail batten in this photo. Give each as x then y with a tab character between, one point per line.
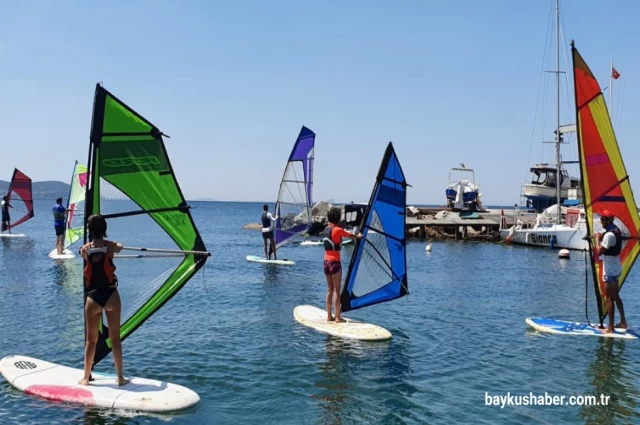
293	206
131	179
605	182
378	267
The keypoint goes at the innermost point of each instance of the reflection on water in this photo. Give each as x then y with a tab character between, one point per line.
335	385
611	375
357	374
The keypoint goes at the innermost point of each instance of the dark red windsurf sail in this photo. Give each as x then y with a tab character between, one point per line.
21	186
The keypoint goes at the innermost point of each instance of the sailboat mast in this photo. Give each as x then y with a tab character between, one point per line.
558	138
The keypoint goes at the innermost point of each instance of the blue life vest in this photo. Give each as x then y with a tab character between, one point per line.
617	248
58	215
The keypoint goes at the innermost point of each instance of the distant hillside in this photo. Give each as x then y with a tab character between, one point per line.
46	189
203	199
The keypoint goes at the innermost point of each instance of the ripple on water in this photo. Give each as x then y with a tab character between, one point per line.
230	336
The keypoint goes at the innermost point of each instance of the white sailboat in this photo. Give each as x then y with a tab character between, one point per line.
550	229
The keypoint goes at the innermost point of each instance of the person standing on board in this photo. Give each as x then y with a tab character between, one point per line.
609	245
6	218
267	232
332	241
102	294
59	217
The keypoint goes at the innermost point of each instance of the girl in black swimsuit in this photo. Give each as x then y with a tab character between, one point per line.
101	289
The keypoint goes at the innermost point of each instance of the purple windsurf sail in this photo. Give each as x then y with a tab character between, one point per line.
293	206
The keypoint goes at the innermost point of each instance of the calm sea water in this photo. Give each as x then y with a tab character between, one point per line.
230	335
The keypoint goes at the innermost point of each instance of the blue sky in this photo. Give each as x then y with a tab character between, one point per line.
232	82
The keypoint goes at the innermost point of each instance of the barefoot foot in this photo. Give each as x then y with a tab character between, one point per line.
84	381
340	320
122	381
622	325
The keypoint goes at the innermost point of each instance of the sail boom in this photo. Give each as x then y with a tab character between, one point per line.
175	251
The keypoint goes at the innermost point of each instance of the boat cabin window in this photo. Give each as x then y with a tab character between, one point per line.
551	179
538	177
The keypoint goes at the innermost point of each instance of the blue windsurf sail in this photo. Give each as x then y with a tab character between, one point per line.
293	207
378	268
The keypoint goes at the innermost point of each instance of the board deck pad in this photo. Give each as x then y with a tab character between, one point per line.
60	383
561	327
66	255
256	259
316	318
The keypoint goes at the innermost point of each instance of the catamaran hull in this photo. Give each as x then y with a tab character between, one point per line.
558	236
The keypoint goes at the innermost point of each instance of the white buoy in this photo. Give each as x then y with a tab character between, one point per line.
428	247
564	253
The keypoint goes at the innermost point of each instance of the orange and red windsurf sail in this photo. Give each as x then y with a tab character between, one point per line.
605	182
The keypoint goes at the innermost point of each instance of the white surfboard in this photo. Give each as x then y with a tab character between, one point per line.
311	243
66	255
316	318
561	327
12	235
60	383
256	259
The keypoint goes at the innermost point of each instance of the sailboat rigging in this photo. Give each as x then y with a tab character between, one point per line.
377	270
605	186
550	230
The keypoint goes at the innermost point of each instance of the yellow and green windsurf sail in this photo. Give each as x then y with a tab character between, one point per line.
75	206
605	181
133	185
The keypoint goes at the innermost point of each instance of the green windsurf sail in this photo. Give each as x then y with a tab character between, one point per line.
132	184
74	227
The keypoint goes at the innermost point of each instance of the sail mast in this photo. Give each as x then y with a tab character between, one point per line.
611	85
558	138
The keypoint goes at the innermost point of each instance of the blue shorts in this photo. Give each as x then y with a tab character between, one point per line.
610	280
59	230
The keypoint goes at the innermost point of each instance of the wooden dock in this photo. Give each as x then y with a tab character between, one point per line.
443	223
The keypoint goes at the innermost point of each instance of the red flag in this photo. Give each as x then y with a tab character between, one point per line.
615	74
